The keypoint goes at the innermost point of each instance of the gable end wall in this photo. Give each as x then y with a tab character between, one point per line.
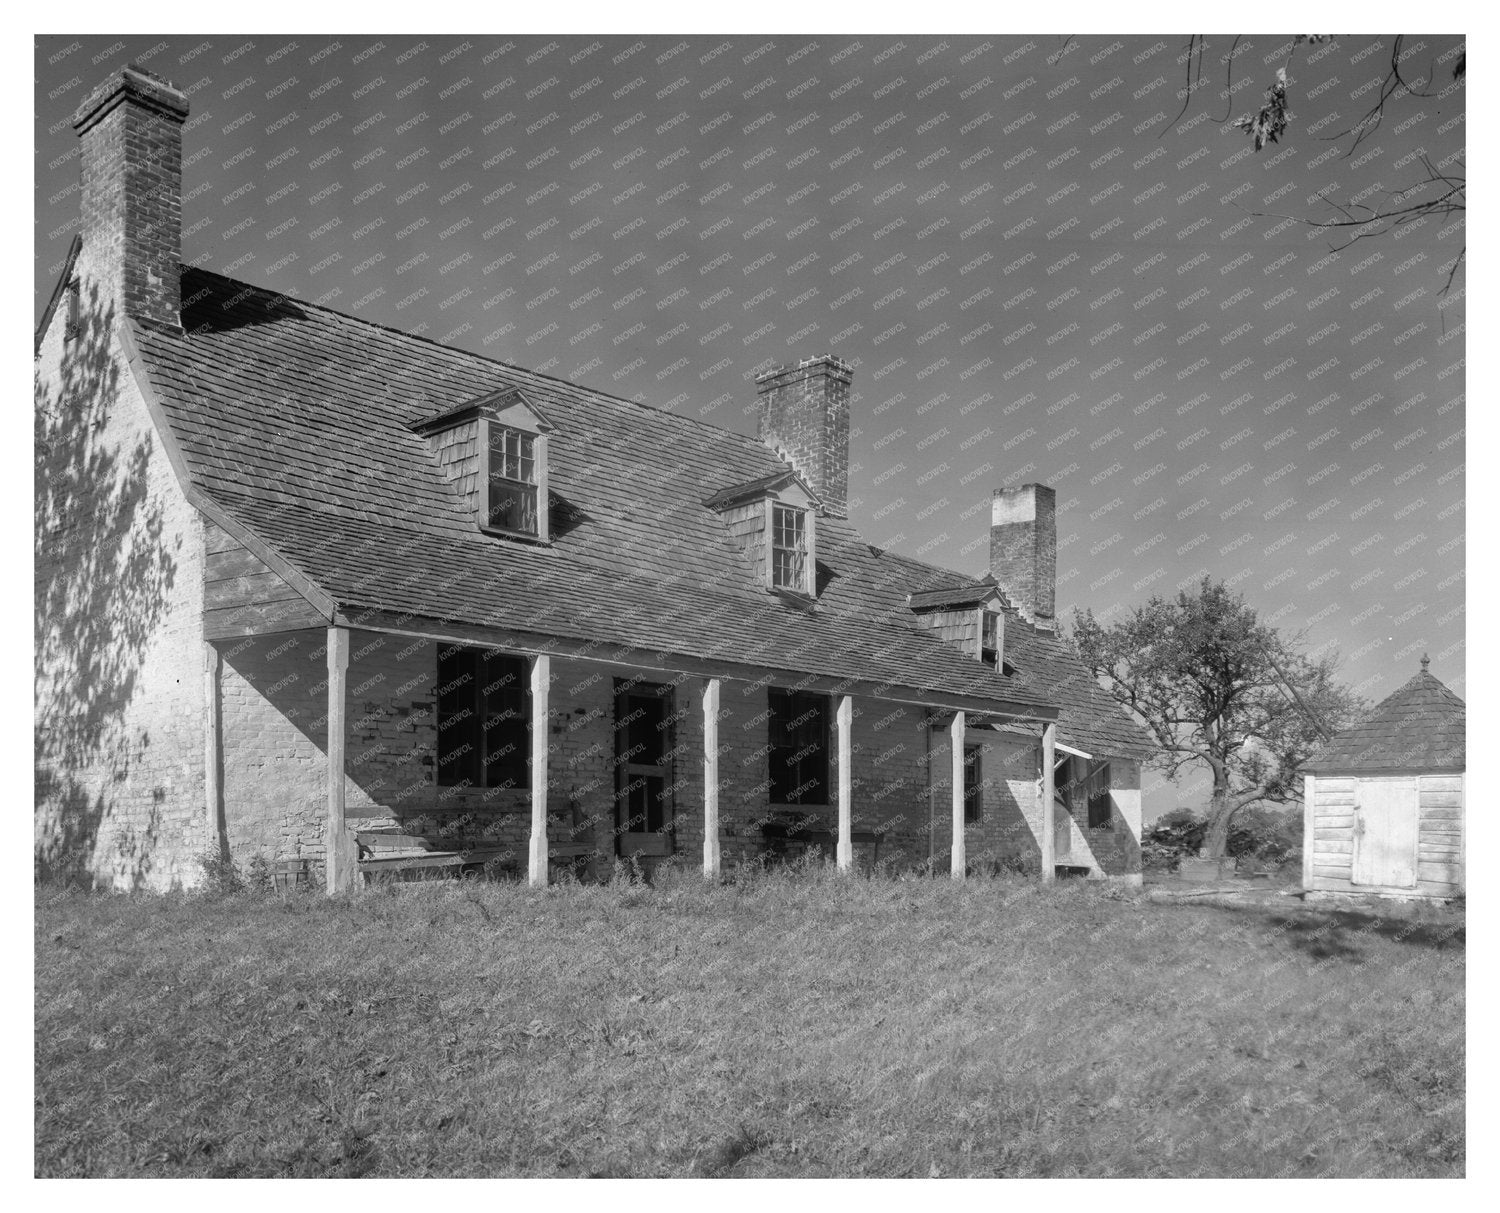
119	660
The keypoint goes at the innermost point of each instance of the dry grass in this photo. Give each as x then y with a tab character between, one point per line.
810	1026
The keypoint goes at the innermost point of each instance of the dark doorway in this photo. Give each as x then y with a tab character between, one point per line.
645	820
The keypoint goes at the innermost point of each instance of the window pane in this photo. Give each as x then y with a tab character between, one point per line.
781	567
513	506
656	816
798	736
512	455
973	784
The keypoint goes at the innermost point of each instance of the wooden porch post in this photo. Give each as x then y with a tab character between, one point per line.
960	861
341	856
213	726
1049	795
711	778
845	719
541	677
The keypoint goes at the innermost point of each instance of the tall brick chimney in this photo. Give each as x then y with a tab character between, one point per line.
131	127
803	413
1023	550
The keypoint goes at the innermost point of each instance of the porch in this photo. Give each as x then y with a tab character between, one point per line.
326	742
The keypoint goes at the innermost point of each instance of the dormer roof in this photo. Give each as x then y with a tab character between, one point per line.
760	486
951	598
509	406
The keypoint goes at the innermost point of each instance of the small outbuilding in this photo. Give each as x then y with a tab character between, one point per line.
1384	799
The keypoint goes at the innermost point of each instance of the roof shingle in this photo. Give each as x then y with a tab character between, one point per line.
1419	727
296	419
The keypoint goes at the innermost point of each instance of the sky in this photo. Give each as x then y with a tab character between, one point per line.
1042	265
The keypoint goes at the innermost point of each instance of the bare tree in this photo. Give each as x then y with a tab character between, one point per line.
1439	194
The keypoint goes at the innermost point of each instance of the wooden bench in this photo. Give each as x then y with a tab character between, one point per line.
382	851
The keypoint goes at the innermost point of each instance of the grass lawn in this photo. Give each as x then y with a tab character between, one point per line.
804	1026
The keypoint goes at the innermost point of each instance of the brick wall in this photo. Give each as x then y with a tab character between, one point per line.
131	165
119	660
275	728
1023	550
274	737
804	411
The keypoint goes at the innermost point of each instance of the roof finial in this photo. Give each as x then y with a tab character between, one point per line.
1424	663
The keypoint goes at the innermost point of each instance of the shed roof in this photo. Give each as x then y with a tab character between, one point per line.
1419	727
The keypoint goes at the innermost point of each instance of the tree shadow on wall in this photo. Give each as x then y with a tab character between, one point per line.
103	569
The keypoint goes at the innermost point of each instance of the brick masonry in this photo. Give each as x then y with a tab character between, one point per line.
803	411
131	164
1023	550
274	739
119	659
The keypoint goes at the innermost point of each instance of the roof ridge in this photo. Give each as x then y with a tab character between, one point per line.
184	266
926	564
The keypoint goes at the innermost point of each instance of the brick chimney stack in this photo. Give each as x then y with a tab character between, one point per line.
1023	550
131	127
803	413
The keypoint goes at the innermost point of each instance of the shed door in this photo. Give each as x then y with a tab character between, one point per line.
1385	832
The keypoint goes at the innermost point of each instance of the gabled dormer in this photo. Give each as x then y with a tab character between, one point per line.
494	451
970	618
773	520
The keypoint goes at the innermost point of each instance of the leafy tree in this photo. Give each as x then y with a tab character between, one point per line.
1217	687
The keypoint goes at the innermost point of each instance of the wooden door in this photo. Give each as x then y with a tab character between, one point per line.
644	810
1385	832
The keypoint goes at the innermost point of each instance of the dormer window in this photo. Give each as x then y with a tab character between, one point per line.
773	520
989	639
494	452
968	617
512	480
789	549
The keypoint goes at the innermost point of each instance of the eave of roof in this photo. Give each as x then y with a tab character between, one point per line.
59	289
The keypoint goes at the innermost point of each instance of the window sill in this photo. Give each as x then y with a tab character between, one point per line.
523	536
796	598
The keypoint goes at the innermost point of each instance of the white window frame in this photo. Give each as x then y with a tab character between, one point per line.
809	539
539	464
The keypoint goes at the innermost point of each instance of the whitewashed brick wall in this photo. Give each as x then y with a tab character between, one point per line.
119	745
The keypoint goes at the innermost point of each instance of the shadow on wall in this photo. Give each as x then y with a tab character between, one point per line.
102	573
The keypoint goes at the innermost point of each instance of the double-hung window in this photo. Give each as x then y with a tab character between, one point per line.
789	562
513	487
989	643
798	728
483	719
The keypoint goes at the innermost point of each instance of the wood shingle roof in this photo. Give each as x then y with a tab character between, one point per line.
1419	727
297	421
